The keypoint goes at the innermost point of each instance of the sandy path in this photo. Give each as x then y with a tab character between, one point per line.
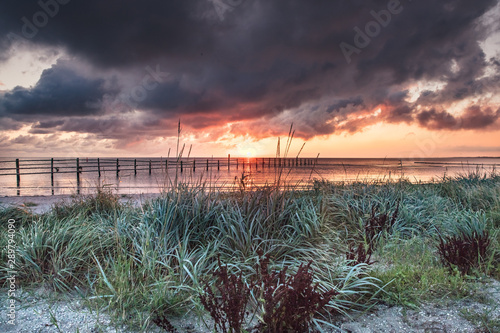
39	312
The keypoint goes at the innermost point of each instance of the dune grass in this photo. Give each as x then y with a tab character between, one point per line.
141	262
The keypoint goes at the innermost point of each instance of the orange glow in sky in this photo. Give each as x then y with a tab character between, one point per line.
236	83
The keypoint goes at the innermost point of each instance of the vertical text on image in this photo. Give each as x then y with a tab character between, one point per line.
11	273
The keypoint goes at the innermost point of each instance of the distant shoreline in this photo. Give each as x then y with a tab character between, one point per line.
246	157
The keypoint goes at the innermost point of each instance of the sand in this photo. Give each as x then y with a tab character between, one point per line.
39	204
41	311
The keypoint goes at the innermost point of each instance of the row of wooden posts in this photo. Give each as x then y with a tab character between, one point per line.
180	165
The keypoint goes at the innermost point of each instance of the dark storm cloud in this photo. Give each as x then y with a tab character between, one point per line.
436	119
48	124
109	33
400	114
496	62
45	127
267	62
60	91
355	101
473	118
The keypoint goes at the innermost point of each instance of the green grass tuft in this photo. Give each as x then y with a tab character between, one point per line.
139	262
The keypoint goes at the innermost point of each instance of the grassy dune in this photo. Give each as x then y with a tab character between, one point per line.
369	242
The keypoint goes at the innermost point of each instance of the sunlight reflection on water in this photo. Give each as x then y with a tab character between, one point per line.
247	172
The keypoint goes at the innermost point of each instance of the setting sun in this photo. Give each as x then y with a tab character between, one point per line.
247	151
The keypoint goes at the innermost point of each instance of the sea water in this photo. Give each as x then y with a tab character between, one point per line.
244	173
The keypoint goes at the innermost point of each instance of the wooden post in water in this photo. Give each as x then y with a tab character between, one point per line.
52	172
52	175
194	165
228	162
78	172
207	164
99	167
182	168
18	173
218	165
117	167
135	167
149	167
237	163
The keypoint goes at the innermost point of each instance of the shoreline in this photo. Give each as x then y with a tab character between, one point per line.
39	204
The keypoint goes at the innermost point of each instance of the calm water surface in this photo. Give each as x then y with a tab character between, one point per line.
250	172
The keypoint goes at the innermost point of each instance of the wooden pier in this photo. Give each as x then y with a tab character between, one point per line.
134	167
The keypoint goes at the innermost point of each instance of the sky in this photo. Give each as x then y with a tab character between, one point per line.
384	78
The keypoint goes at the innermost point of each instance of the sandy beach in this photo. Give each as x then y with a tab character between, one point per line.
39	204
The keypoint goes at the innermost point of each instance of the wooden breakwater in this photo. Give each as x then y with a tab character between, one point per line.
77	166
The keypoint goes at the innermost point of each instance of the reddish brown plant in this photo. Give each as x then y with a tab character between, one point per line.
290	301
463	251
228	308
